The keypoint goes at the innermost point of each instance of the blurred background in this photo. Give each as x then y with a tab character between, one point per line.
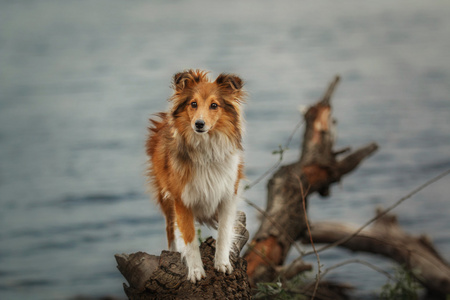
79	80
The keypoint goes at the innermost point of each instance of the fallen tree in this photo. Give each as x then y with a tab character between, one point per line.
386	237
285	219
287	191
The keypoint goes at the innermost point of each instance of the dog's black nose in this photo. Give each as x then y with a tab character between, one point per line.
199	124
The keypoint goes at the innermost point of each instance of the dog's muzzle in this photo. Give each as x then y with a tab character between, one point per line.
200	126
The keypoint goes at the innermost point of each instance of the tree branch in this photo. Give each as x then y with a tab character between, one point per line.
386	237
317	169
382	213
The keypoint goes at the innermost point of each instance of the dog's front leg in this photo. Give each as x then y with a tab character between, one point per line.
190	251
227	215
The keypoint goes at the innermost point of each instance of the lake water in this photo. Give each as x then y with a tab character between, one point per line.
79	80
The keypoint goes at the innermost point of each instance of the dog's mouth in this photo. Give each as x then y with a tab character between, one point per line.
200	131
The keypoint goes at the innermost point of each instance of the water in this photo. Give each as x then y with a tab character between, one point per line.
79	79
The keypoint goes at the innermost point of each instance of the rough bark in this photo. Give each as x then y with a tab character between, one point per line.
386	238
164	277
317	168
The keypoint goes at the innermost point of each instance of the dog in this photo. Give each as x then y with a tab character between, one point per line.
196	163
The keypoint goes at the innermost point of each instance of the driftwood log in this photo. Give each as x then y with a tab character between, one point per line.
317	169
164	277
385	237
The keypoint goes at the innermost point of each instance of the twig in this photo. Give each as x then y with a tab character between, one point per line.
296	267
357	261
381	214
269	171
278	163
299	124
310	236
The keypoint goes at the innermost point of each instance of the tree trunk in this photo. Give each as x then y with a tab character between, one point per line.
315	171
386	237
164	277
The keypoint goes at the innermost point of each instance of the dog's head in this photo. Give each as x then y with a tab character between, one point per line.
207	105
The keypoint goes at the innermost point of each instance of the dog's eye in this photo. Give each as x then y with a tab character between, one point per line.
214	106
194	104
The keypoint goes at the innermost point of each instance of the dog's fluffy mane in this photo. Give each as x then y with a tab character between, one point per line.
228	133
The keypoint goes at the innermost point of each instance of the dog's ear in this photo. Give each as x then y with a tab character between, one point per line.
230	82
187	78
231	85
179	81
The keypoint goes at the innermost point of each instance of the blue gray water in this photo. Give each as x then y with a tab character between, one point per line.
79	80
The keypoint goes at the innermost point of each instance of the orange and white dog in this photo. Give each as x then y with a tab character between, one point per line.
196	163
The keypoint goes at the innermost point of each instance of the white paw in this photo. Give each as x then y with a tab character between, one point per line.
224	267
195	274
194	262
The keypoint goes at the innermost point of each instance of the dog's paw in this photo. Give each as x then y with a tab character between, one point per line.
196	274
224	267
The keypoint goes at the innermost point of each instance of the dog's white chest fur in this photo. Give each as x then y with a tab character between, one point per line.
210	185
213	180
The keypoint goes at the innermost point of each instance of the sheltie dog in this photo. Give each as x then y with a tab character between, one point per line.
196	163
